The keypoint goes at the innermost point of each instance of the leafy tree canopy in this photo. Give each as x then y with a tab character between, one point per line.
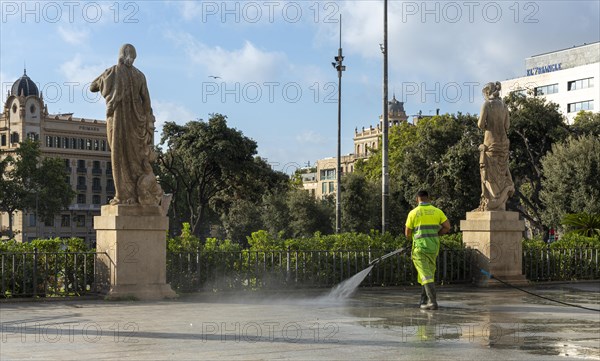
32	183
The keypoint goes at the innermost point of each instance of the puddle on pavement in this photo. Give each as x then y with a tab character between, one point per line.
482	322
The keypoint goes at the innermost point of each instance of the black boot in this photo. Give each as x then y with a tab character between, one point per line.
432	302
423	297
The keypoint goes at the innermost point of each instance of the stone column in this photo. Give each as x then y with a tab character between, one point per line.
134	238
496	236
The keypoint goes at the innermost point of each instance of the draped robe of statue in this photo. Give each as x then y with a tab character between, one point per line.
130	131
496	181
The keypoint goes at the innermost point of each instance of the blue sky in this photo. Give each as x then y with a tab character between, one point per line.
274	58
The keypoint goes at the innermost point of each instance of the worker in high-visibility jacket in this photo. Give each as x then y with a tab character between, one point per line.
424	226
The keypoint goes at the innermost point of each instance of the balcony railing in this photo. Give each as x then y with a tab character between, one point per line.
82	170
81	187
96	171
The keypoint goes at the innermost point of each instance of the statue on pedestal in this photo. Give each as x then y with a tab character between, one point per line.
496	181
130	131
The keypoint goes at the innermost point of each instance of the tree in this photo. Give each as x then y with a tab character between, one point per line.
32	183
586	123
308	215
535	125
209	167
361	204
571	183
438	154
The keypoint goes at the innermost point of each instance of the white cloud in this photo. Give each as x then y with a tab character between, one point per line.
428	40
76	70
247	63
190	9
311	137
166	111
73	35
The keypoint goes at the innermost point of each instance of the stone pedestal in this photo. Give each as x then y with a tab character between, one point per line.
496	237
134	238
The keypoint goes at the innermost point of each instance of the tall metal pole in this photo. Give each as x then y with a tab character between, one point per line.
338	174
385	185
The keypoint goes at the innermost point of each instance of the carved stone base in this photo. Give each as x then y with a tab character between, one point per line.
496	237
134	239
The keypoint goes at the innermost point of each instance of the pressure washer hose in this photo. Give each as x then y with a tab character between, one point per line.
489	275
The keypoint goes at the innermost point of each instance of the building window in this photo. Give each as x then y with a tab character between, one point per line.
79	220
546	89
49	141
103	145
57	142
96	168
327	174
88	144
96	144
81	168
81	183
73	143
3	140
331	190
81	143
110	185
324	187
68	168
14	137
32	220
96	187
65	220
96	199
575	107
81	198
581	84
66	143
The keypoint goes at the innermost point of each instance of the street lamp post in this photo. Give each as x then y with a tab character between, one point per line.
340	68
385	174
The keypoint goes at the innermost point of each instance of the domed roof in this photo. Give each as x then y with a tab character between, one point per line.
395	107
24	85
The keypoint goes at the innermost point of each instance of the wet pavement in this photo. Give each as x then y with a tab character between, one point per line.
375	324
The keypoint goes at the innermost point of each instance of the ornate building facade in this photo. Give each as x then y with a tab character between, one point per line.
83	146
365	141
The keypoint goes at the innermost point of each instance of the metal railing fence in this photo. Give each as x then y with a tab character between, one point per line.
562	264
51	274
47	274
192	271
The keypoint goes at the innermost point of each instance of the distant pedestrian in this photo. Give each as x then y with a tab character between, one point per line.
424	225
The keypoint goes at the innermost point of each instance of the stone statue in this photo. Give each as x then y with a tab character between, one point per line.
496	182
130	131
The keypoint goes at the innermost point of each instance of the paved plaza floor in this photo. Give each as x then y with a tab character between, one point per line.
375	324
